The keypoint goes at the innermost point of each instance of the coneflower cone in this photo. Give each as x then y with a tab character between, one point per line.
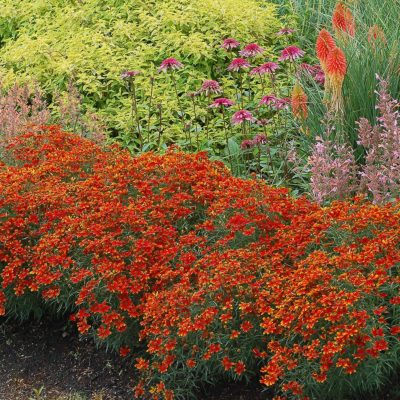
324	45
343	21
336	69
299	102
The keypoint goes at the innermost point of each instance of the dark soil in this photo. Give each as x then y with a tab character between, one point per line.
46	355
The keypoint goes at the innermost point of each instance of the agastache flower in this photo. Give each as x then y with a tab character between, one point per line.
241	116
299	102
251	50
230	44
343	20
291	53
210	87
129	74
222	102
286	31
170	64
237	64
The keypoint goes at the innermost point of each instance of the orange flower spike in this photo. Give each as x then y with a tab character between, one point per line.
299	102
324	45
336	69
376	36
343	21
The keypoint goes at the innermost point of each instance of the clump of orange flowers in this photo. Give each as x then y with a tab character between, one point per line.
343	21
299	102
206	271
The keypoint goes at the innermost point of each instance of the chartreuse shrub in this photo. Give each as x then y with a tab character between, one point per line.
201	276
92	42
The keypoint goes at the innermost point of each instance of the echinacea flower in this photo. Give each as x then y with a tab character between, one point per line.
291	53
281	104
230	44
268	100
241	116
129	74
285	31
210	86
263	122
299	102
251	50
266	68
170	64
343	20
247	144
237	64
260	139
222	102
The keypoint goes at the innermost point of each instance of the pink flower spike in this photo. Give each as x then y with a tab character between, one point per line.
286	31
251	50
210	87
222	102
291	53
129	74
230	44
170	64
238	63
268	100
241	116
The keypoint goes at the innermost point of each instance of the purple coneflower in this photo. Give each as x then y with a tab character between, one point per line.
251	50
238	63
263	122
281	104
170	64
268	100
291	53
230	44
247	144
285	31
269	67
209	86
241	116
222	102
129	74
260	139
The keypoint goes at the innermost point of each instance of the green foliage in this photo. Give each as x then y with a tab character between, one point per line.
92	41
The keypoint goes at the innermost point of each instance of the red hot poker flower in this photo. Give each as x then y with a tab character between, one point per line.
343	20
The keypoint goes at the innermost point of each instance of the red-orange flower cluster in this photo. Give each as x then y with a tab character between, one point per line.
211	272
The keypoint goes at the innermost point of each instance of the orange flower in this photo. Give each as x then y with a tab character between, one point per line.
336	68
376	35
324	45
299	102
343	20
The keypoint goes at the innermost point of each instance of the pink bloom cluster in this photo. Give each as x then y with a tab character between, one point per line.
241	116
256	141
291	53
222	102
210	86
170	64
